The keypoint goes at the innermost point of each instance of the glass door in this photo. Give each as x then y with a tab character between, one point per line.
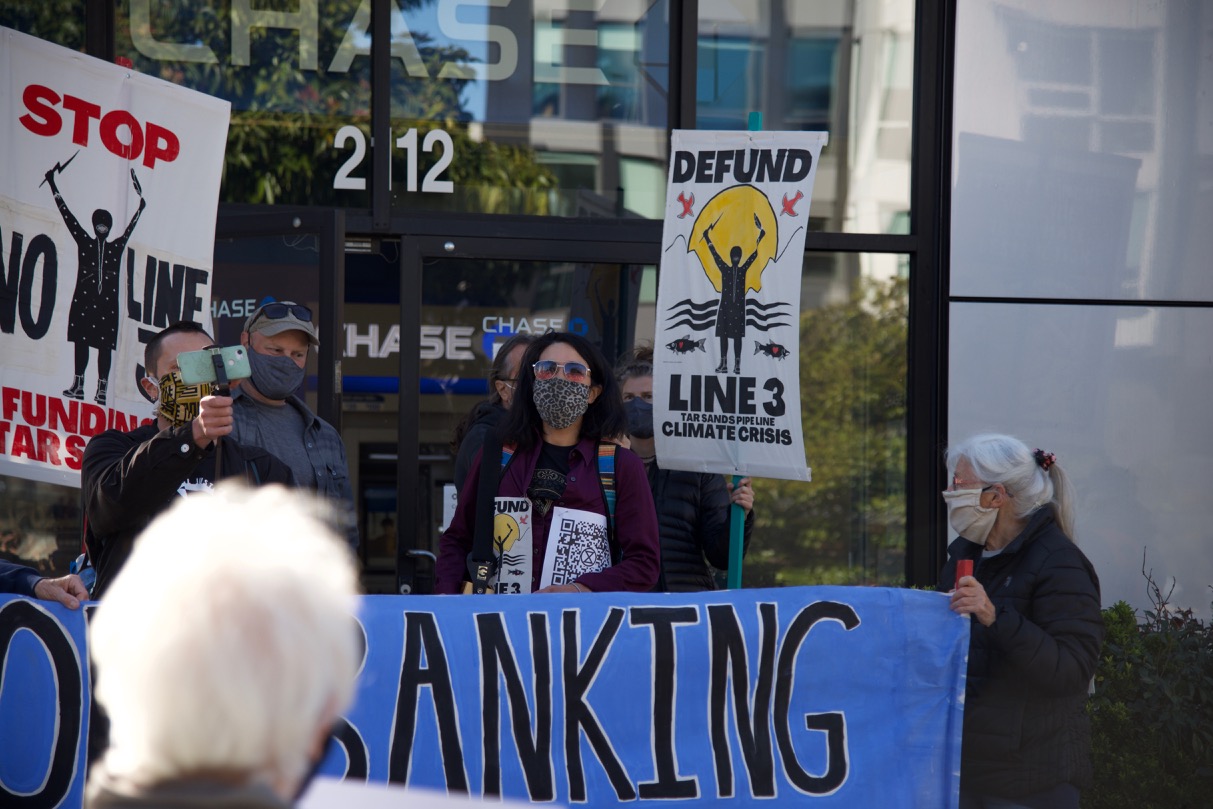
296	256
459	304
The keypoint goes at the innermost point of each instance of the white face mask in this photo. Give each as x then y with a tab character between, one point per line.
966	514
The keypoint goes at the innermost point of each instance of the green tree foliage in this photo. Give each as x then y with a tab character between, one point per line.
848	525
284	118
58	21
1152	711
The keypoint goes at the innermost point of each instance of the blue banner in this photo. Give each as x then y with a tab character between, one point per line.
44	703
822	696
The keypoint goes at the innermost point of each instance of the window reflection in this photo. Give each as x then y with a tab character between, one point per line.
848	525
40	524
842	67
57	21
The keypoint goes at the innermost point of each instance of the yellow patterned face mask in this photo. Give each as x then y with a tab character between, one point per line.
179	401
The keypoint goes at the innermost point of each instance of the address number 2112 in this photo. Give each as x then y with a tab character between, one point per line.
432	183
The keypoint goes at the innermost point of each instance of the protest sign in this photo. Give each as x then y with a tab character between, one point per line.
799	696
107	226
725	397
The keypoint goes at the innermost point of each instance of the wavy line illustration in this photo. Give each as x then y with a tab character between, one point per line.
712	304
764	326
693	315
765	318
696	326
754	302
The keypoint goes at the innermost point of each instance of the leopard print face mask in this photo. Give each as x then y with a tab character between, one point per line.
560	402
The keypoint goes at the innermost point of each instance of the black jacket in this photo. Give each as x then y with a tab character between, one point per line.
484	419
1025	726
127	478
693	518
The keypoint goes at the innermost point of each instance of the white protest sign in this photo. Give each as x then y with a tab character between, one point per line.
108	203
726	382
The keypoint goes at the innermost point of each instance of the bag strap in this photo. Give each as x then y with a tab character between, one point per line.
606	477
482	559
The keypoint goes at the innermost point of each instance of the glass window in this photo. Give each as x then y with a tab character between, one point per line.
1134	446
58	21
524	108
847	526
530	108
251	269
298	81
1082	143
469	308
40	525
839	66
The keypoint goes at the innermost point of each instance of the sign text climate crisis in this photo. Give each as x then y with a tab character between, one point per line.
729	408
747	707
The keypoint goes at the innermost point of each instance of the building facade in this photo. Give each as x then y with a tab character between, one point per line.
1007	233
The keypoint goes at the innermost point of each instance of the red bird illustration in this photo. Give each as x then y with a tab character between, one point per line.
687	204
789	205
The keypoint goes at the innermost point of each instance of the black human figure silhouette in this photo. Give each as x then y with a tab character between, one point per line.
730	316
93	318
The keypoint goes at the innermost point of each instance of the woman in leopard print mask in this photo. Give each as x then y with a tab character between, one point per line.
566	409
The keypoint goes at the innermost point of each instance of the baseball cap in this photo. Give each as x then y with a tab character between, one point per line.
275	317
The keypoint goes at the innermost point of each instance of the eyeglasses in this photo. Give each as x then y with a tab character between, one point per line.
276	311
957	483
573	371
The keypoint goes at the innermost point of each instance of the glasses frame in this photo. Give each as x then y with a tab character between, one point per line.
565	369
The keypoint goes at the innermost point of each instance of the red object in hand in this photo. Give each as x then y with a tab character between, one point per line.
964	567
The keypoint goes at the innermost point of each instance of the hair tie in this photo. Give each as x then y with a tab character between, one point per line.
1044	460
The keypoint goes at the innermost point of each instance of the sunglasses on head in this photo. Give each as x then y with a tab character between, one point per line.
573	371
274	311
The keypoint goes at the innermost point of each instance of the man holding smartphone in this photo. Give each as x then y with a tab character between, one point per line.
269	413
127	478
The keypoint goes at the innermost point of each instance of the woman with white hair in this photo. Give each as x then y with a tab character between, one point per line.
1037	626
225	651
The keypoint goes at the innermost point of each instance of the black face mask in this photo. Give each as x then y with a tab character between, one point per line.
640	417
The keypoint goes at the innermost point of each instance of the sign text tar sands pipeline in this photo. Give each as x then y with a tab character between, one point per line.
727	408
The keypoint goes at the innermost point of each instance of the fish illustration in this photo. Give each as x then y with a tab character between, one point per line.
771	349
685	345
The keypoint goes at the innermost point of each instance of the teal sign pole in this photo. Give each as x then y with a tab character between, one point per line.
737	513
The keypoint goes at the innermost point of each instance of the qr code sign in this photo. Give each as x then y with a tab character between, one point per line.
583	548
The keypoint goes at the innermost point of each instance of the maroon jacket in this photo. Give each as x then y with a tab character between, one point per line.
635	519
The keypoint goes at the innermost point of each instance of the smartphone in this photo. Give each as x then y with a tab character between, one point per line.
197	366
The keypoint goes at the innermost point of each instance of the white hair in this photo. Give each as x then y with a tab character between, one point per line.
1007	460
228	640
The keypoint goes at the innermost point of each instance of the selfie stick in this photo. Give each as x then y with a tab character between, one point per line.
221	388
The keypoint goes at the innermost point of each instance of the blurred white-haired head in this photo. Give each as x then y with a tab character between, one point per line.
227	645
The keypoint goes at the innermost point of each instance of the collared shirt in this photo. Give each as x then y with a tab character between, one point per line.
304	441
635	518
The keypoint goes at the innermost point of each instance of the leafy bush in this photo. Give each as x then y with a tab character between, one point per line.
1152	712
